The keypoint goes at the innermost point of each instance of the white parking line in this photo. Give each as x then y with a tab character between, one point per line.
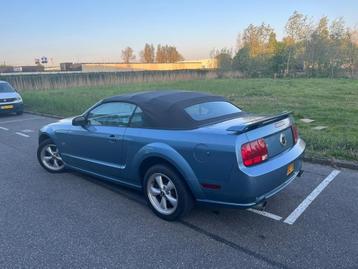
3	128
21	134
265	214
309	199
27	131
19	120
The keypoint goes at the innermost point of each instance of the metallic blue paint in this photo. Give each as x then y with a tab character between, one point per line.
210	154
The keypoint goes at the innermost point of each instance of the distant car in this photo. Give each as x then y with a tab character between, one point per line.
10	100
178	147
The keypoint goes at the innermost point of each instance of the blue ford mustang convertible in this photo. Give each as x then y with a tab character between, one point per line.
178	147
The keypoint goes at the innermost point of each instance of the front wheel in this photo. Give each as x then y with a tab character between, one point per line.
166	193
49	157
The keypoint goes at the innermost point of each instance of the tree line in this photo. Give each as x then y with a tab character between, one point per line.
313	49
162	54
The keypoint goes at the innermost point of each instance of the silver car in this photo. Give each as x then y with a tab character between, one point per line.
10	99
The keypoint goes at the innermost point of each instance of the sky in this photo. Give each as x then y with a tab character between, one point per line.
97	31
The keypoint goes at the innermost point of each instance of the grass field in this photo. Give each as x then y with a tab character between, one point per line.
331	103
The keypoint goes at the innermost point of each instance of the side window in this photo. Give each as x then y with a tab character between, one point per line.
111	114
137	120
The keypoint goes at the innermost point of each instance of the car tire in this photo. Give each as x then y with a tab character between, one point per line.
176	190
19	113
49	157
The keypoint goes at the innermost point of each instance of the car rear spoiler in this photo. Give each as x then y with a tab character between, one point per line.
248	126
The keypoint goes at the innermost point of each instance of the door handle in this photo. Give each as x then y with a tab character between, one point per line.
112	138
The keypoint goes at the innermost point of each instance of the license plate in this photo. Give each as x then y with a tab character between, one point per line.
290	168
7	107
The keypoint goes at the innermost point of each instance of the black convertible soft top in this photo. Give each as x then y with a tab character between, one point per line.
165	108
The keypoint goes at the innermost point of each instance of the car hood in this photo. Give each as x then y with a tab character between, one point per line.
64	123
61	123
66	120
8	95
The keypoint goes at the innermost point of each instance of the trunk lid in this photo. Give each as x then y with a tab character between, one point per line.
279	142
275	130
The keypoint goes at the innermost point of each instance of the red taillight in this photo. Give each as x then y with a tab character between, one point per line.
295	133
254	152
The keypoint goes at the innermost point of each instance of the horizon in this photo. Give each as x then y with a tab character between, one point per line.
98	31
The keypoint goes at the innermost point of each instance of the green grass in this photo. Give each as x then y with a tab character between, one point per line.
333	103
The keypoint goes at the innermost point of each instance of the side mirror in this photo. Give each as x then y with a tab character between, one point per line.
79	121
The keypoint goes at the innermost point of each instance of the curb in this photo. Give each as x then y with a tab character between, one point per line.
44	115
324	161
332	162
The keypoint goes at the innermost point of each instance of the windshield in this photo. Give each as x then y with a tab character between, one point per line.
5	87
210	110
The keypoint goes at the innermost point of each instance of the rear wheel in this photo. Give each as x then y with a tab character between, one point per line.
49	157
166	193
19	112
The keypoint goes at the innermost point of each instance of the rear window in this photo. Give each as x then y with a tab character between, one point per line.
5	87
210	110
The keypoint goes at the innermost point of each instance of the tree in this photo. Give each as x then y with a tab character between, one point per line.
321	49
279	60
148	54
318	49
242	61
336	48
167	54
272	44
128	55
173	55
297	29
257	38
160	55
351	43
322	35
239	43
223	58
258	46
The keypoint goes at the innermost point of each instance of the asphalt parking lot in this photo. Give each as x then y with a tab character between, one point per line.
73	220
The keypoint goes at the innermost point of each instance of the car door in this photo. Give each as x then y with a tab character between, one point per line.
97	147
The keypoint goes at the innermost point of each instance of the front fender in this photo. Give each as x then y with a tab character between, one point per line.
169	154
48	132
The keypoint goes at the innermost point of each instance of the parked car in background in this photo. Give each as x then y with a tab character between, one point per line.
179	147
10	99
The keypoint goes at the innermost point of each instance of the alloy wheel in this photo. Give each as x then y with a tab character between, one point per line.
51	158
162	193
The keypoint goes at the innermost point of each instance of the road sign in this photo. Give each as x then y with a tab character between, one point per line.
44	60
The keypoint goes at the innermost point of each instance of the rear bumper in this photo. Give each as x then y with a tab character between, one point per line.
249	186
17	107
